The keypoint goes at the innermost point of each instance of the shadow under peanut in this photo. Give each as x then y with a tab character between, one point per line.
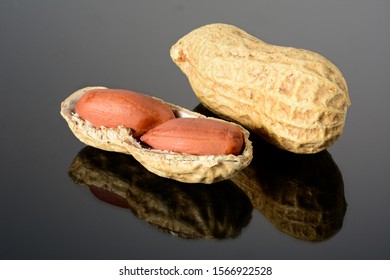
215	211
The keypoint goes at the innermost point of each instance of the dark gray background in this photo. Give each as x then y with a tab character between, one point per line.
48	49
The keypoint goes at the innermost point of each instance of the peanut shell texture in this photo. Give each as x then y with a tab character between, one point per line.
294	98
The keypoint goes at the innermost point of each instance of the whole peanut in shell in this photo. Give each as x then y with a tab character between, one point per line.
183	167
294	98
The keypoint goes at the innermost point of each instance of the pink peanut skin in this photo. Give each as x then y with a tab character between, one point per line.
118	107
196	136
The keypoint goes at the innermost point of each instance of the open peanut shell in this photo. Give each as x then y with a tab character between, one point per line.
181	167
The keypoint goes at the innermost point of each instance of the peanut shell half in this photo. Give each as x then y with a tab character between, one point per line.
181	167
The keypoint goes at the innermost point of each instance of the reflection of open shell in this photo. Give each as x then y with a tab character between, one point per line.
180	167
213	211
302	195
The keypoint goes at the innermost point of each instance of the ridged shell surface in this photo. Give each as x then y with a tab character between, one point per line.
294	98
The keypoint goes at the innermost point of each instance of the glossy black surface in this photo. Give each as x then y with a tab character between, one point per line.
333	205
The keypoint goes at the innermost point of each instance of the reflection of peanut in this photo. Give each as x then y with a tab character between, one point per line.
296	99
302	195
188	211
197	136
116	107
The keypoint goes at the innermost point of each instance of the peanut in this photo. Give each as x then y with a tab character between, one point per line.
196	136
117	107
179	166
294	98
